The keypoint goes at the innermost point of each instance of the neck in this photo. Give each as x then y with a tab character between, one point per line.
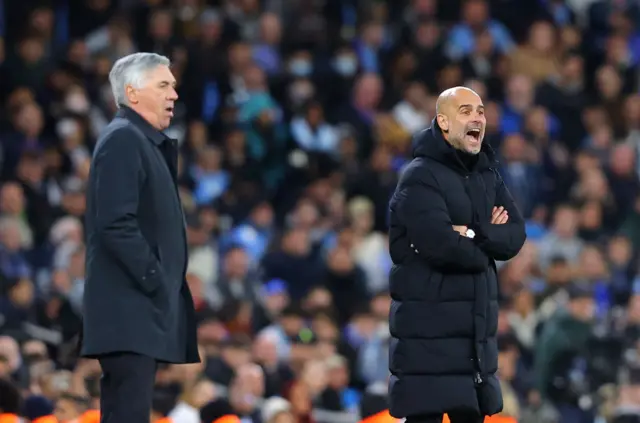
146	115
469	160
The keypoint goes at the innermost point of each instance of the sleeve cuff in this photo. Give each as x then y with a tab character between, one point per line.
481	232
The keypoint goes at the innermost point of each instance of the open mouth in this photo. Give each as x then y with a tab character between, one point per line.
169	110
474	134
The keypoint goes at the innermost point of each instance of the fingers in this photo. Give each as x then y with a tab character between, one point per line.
495	214
462	230
499	216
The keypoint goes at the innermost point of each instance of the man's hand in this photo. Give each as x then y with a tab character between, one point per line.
461	229
499	216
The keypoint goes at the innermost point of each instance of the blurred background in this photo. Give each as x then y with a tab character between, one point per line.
295	118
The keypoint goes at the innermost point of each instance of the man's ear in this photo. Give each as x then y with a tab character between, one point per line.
443	123
132	94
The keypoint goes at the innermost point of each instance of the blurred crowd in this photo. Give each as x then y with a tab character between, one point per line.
295	118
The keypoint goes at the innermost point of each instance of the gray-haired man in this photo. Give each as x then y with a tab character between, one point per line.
138	310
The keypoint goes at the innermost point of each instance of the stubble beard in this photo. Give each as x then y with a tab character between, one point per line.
458	144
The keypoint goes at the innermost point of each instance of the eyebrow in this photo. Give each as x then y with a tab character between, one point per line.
168	83
470	106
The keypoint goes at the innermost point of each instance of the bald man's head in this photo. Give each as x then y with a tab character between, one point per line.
460	116
448	97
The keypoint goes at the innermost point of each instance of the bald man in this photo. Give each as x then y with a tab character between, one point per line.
452	217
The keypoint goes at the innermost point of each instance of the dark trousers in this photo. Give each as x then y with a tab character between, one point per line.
453	417
126	387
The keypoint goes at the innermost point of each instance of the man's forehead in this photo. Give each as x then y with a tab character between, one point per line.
163	73
454	98
466	98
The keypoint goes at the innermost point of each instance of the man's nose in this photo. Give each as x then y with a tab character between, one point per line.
173	95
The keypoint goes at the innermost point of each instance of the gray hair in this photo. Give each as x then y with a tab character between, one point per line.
132	70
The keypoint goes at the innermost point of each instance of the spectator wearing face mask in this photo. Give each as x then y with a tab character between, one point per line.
300	64
312	133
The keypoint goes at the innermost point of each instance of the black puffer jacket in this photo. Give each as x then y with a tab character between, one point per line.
444	314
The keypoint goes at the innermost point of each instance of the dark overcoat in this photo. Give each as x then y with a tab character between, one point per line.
444	288
136	298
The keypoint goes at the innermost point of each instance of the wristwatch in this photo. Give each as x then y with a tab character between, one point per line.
470	233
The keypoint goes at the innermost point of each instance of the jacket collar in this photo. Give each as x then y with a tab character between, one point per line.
431	143
126	112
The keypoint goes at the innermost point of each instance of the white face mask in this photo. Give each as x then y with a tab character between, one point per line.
346	65
77	103
300	68
66	128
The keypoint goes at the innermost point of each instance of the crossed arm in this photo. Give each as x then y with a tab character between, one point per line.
420	206
503	237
